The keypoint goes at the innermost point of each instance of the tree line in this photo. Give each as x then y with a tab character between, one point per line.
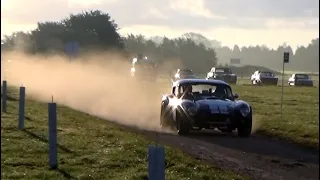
97	30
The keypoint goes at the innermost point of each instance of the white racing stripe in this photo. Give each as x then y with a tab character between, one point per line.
221	108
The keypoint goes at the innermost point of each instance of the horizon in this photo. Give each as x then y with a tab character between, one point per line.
263	23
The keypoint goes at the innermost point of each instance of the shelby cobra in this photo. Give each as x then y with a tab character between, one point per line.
205	104
263	78
300	80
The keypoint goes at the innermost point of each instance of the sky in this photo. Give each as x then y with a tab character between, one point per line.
242	22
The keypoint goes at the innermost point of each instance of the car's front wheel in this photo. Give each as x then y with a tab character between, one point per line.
182	124
163	117
244	129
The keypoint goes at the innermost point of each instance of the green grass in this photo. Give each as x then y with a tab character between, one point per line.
89	148
300	122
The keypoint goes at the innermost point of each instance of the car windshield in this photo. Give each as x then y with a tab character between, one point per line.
266	74
223	71
207	91
186	72
302	76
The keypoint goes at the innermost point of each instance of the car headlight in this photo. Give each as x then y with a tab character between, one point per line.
245	111
192	110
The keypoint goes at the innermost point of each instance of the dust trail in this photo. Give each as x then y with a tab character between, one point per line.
256	124
99	85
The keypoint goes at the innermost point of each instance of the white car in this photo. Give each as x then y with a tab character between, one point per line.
300	80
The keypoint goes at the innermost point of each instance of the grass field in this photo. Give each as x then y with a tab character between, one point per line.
89	148
300	122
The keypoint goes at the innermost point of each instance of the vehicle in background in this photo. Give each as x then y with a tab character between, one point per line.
195	104
224	74
264	78
300	80
183	74
144	68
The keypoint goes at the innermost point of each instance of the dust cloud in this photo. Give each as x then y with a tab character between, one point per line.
256	123
98	84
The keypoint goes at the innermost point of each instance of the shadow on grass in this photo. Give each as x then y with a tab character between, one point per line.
65	173
63	148
9	98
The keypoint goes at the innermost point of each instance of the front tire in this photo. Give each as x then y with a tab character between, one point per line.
163	118
182	124
244	129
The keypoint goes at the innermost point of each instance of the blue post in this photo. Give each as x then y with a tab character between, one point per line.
53	152
22	97
4	96
156	167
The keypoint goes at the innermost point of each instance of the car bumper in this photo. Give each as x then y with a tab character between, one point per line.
209	121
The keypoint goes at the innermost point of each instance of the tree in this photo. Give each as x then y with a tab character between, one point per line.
91	29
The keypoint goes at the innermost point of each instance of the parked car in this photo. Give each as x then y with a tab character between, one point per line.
300	80
224	74
264	78
183	74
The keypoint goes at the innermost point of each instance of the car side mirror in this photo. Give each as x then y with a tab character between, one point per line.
236	96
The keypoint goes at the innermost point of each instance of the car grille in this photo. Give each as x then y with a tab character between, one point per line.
208	117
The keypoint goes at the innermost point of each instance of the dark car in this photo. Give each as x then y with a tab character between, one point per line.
224	74
263	78
205	104
143	68
183	74
300	80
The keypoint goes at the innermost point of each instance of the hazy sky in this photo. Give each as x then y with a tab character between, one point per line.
242	22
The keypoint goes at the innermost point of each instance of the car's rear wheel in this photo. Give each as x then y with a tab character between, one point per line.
182	124
244	129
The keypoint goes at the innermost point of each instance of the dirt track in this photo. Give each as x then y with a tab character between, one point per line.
258	157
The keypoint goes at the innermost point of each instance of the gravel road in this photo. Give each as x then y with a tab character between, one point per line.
259	157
